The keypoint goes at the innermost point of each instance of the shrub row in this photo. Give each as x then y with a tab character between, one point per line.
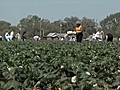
56	65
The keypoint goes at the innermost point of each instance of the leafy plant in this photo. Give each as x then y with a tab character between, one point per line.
95	65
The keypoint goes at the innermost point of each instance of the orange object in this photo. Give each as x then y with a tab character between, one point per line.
78	29
34	88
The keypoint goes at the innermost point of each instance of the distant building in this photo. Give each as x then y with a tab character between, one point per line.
55	36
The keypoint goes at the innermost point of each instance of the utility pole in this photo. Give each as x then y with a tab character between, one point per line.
60	28
43	31
33	28
40	27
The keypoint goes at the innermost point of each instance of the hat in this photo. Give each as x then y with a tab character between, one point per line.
78	22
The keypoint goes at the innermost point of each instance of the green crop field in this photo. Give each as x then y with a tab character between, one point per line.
59	65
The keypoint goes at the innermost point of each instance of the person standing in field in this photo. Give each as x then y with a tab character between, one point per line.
79	31
18	36
12	35
102	35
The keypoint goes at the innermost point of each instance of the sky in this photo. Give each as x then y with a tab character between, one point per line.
13	11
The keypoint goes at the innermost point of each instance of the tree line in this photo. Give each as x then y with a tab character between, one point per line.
35	25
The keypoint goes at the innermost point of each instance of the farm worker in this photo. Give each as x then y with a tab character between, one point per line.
97	35
79	31
109	37
7	36
36	38
23	36
102	35
12	35
1	38
18	36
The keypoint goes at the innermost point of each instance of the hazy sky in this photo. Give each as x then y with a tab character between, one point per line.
14	10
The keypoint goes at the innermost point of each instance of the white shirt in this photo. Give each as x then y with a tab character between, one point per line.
97	34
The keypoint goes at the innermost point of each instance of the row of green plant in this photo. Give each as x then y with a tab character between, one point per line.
57	65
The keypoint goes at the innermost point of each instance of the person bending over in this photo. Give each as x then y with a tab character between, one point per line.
109	37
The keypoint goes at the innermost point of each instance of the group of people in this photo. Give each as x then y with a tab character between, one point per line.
99	35
79	35
9	36
20	37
